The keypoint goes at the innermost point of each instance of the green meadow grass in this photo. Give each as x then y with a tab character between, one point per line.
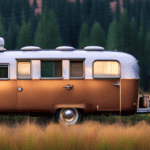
101	133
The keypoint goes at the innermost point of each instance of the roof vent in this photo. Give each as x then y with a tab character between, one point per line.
65	48
30	48
2	43
94	48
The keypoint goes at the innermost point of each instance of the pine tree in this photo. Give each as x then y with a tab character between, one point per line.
117	13
131	10
107	16
53	37
123	34
141	54
111	42
83	39
40	33
132	39
93	15
97	35
147	64
24	37
34	20
76	24
146	16
63	19
6	13
18	11
138	4
47	33
99	12
13	29
86	10
2	30
8	39
26	7
126	5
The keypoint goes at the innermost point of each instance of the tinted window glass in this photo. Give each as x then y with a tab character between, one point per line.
51	68
3	71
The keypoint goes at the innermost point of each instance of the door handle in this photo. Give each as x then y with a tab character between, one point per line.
68	87
118	84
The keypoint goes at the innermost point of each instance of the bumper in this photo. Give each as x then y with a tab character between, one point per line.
143	110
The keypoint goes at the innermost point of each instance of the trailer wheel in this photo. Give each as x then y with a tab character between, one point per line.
69	116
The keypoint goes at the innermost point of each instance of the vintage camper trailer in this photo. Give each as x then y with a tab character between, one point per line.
67	82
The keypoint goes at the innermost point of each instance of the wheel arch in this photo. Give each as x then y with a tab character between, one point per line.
80	108
84	107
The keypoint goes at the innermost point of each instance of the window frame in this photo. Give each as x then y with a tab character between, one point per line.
105	77
24	60
8	64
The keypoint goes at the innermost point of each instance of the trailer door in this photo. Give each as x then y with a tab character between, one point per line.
106	88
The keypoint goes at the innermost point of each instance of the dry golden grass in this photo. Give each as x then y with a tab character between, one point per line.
88	135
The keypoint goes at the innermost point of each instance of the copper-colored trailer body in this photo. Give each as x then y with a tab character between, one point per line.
38	95
88	92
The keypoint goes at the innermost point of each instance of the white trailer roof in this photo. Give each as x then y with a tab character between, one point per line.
129	65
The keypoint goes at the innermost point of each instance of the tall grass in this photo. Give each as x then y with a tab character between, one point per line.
131	132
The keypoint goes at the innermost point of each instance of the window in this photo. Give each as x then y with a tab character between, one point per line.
106	69
3	71
24	69
76	68
51	68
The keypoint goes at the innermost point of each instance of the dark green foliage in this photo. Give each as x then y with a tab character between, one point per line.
83	36
97	35
142	53
75	23
107	16
111	43
47	33
24	36
132	38
138	5
117	13
34	4
127	6
2	30
6	11
63	11
12	33
123	33
93	14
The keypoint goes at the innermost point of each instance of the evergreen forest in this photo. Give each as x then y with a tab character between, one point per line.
90	23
